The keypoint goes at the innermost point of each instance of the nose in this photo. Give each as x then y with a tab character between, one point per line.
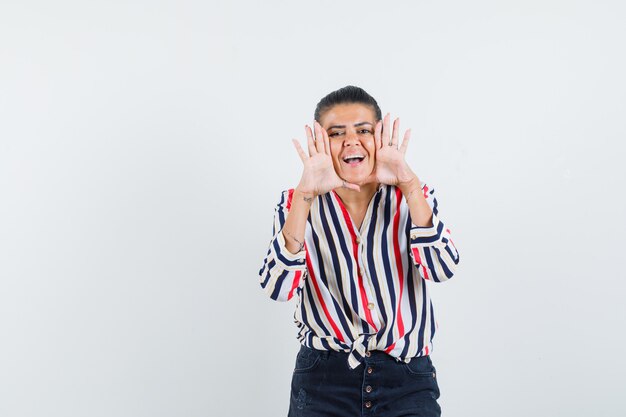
351	139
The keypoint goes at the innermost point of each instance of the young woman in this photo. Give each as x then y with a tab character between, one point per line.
354	242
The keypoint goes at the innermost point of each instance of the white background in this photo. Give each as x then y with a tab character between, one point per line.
144	145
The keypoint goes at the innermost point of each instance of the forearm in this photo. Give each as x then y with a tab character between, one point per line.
295	225
421	213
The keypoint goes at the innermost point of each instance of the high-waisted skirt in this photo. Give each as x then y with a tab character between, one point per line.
324	385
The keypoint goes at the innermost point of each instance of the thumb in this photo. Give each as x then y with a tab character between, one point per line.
351	186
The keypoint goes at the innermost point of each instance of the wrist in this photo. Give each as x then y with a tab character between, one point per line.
303	194
408	187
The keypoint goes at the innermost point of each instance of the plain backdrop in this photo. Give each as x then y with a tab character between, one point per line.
144	146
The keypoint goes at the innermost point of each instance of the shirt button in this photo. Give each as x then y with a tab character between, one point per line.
370	306
370	370
358	240
368	404
368	388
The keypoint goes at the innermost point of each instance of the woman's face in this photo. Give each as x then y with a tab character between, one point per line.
350	130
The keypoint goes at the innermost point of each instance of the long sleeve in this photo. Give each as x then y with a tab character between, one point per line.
282	272
432	249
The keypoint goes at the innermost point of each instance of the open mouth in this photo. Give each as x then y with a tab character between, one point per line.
353	160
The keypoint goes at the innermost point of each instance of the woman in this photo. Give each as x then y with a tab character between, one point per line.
354	242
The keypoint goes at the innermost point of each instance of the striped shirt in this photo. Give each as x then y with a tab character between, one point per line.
362	289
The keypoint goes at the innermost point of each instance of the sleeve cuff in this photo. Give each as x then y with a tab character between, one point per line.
426	236
289	260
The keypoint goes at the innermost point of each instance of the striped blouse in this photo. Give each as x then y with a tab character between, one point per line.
363	289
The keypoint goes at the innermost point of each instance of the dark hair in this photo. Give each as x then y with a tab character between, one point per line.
347	94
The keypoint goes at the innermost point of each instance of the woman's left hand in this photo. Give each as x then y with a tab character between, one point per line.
391	167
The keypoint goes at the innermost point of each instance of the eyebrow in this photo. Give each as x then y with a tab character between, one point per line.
344	126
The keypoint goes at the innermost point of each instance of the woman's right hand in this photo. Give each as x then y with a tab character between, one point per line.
319	176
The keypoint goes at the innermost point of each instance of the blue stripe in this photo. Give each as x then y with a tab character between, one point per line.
445	268
431	267
269	273
265	261
279	284
282	258
325	344
455	258
420	332
428	239
316	314
432	320
281	213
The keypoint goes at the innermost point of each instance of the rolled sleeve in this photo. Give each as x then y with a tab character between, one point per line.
283	272
286	259
432	250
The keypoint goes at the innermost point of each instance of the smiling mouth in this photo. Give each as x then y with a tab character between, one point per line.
353	160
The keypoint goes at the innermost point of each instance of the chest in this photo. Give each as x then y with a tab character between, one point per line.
357	216
331	221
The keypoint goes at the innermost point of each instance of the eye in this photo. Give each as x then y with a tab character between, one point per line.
365	131
335	134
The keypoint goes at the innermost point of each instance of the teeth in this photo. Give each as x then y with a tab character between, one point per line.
347	158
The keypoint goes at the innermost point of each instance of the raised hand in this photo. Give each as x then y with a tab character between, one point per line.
319	175
391	167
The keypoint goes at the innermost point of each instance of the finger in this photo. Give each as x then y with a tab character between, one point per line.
386	132
405	141
396	132
377	134
319	138
301	152
309	140
326	141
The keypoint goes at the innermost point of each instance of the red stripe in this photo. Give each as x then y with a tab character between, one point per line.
419	261
319	296
355	250
426	348
425	191
289	199
294	284
396	249
296	279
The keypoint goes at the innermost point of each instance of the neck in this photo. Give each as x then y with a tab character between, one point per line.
352	198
